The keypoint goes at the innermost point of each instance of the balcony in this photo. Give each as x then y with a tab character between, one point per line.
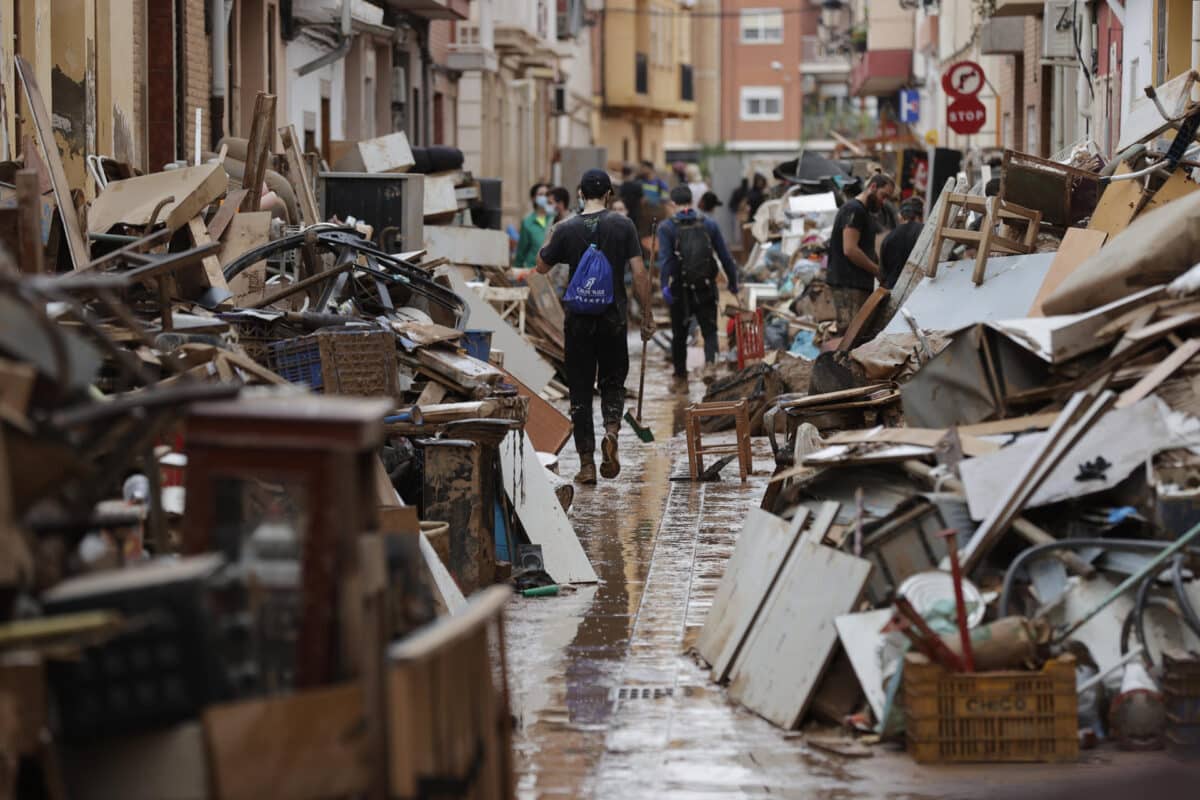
641	74
818	57
881	72
687	83
472	49
820	125
1001	37
524	27
434	9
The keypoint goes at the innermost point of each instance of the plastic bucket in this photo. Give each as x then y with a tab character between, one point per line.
478	344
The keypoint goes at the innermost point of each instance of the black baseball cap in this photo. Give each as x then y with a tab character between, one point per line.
595	183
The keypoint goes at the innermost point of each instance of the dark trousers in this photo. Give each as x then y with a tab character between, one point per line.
597	353
704	309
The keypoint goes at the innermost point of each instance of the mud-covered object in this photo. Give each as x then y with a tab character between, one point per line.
759	384
1156	248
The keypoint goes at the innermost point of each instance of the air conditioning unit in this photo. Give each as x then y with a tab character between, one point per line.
1058	29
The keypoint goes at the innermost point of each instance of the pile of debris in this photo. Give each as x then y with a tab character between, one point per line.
982	534
255	460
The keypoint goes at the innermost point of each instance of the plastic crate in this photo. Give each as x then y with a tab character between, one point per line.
991	716
1180	684
340	362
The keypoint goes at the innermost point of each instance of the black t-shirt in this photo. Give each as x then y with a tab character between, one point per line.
894	251
841	271
613	233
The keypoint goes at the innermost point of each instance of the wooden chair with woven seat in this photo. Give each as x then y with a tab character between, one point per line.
696	413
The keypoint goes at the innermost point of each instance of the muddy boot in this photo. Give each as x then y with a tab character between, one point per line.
709	374
610	467
587	473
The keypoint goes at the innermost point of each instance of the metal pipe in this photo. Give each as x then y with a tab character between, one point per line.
218	17
1099	676
339	52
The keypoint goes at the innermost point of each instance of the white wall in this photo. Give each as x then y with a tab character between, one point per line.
575	128
304	93
1137	61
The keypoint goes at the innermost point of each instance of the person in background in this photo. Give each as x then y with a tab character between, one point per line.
695	181
561	200
689	246
597	351
654	188
708	203
852	268
618	205
757	194
898	244
533	228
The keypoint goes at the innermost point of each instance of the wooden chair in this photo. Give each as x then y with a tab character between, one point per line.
696	412
986	239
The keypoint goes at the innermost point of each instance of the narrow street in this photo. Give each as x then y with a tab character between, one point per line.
609	703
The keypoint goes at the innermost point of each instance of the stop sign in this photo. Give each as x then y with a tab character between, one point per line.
966	114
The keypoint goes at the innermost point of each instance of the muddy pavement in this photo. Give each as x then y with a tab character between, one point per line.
608	702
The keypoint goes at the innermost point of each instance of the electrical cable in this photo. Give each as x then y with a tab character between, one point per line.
1087	73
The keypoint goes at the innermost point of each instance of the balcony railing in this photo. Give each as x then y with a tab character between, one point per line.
687	84
641	74
816	51
820	124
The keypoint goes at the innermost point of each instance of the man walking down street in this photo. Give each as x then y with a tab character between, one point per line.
688	248
852	268
597	352
898	244
533	227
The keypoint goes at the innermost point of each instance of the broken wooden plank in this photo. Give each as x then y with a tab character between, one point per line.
1152	379
1078	245
460	369
298	176
42	126
303	745
786	653
548	428
540	513
29	223
257	150
210	274
762	547
225	214
426	333
133	201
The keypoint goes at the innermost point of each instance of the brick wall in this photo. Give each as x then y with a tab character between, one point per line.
439	39
197	60
139	83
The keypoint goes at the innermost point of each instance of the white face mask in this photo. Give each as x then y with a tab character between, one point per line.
544	203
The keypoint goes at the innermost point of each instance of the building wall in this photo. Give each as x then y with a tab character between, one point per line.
752	65
1109	44
197	72
305	93
706	58
631	139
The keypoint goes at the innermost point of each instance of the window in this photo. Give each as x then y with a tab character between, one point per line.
762	26
762	103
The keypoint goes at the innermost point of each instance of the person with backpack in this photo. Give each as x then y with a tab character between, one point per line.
689	246
596	245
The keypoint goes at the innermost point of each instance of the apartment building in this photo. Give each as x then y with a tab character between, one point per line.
762	92
644	72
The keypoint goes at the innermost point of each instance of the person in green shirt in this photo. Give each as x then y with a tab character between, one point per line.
534	227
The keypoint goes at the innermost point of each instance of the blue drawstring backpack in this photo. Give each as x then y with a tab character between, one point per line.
590	290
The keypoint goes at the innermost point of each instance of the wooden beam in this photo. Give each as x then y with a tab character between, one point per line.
210	273
76	245
298	176
257	150
29	222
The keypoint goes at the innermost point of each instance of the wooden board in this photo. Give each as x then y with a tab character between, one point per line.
762	547
459	368
439	195
133	200
861	639
258	149
1152	379
476	247
862	319
246	231
390	153
425	333
520	357
785	655
540	513
305	745
1078	245
298	176
76	244
449	597
548	428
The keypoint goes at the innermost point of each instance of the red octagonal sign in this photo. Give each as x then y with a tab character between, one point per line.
966	115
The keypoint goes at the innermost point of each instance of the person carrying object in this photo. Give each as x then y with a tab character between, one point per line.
852	268
596	245
689	247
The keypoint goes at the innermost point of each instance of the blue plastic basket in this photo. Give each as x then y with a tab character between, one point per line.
298	361
478	344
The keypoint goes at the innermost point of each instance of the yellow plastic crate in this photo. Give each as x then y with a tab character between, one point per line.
991	716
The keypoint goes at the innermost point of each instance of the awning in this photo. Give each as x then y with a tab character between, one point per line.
881	72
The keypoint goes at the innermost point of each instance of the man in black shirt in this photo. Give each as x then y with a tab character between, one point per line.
898	244
596	348
852	267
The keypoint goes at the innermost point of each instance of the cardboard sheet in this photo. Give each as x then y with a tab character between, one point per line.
1078	245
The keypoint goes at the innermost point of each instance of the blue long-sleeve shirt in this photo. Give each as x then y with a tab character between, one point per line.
668	263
